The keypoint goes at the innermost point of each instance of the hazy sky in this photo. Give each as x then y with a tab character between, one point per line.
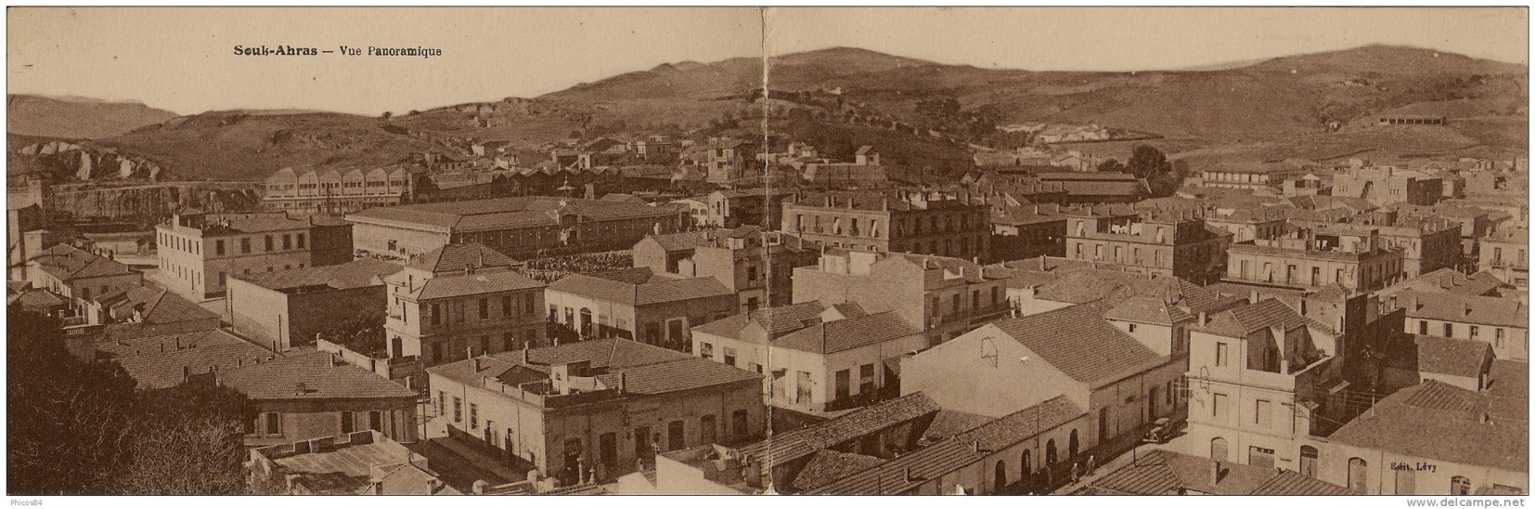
182	59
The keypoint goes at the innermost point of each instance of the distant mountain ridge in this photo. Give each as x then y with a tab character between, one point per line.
77	117
1297	106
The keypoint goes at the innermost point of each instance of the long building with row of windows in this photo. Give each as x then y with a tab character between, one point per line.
921	222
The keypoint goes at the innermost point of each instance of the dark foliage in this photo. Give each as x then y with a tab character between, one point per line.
78	428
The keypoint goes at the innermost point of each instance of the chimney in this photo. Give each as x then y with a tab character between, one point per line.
1204	318
524	353
476	361
1252	297
1468	308
1485	419
906	474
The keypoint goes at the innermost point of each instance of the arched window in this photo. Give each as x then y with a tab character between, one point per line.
1358	476
999	478
1028	464
1072	445
1050	453
1308	460
1218	449
1460	485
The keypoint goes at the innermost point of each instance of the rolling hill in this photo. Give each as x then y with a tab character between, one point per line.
1307	106
76	117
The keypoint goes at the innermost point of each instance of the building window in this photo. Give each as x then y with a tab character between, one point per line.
458	409
1423	327
273	424
300	241
738	423
287	241
267	242
474	415
484	308
1449	330
844	384
1220	355
218	247
1218	406
751	274
1474	331
346	422
506	305
804	387
1132	328
866	379
1497	338
1261	413
705	350
436	314
730	355
245	245
508	342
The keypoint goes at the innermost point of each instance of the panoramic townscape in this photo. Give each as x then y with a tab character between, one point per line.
866	275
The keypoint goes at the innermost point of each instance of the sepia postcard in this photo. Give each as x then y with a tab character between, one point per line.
1124	251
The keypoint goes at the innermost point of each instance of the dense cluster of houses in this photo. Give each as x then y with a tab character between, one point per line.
805	325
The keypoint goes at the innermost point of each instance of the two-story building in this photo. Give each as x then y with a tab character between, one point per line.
943	297
1387	185
926	222
458	301
315	395
639	304
816	358
1309	257
595	408
1503	255
79	275
337	191
757	265
198	252
1499	321
286	309
1167	244
729	208
521	227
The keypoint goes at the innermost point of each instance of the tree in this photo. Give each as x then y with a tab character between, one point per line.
81	428
1146	161
1111	166
191	442
387	115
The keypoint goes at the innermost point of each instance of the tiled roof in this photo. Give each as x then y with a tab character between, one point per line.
1243	320
827	466
155	305
1509	389
639	286
939	459
503	213
68	262
949	423
1079	342
847	334
475	283
164	361
792	445
1439	421
1495	311
1459	357
37	299
1163	472
310	376
646	369
1147	310
457	257
353	274
1449	280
